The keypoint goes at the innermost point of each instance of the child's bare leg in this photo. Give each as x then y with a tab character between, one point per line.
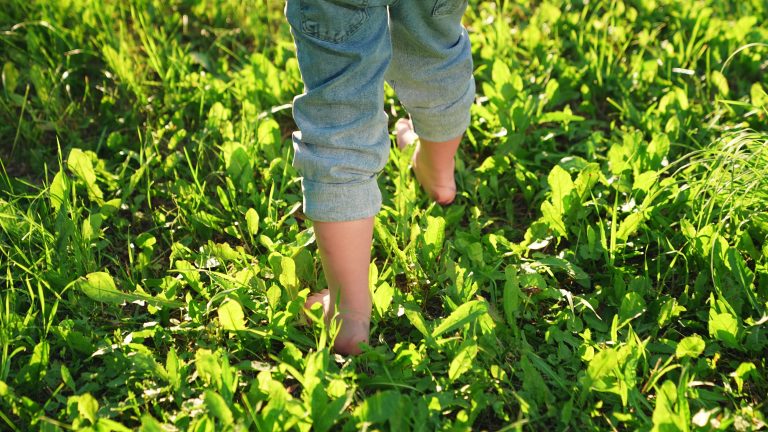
432	162
345	251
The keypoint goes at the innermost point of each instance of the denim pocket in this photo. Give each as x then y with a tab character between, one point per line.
447	7
332	20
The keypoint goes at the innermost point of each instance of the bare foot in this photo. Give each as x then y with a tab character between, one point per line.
404	133
432	162
323	298
355	327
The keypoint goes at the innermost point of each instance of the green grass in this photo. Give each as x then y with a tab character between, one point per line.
605	265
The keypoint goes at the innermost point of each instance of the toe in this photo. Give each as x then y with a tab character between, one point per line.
403	124
404	132
317	298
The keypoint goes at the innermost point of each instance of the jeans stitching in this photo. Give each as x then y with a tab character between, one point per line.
314	32
446	7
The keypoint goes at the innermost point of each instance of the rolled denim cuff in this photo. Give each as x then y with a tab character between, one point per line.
341	202
444	122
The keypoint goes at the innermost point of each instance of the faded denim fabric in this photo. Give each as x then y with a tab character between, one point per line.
346	49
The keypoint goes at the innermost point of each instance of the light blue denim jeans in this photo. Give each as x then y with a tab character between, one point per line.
346	49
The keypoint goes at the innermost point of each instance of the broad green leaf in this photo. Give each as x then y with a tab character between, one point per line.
565	116
10	77
268	132
382	298
658	149
91	229
561	184
373	276
59	190
270	415
417	320
252	221
613	370
617	156
285	270
475	252
218	407
548	12
720	82
512	294
434	235
80	165
150	424
632	305
586	180
330	413
545	368
217	114
724	327
682	98
550	89
287	275
238	163
665	414
602	364
645	181
40	354
687	229
87	406
37	365
463	360
278	398
532	281
231	315
745	278
673	125
382	234
630	225
574	272
757	95
379	407
106	424
136	177
173	368
500	72
690	346
204	220
66	378
507	85
745	370
553	218
208	366
463	315
492	165
533	382
101	287
145	361
273	296
670	309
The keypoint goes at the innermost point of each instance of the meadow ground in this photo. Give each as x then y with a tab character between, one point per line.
605	265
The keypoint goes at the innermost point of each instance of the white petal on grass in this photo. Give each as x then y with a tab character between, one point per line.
683	71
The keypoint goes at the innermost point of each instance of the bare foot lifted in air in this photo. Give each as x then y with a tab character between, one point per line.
354	326
432	162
